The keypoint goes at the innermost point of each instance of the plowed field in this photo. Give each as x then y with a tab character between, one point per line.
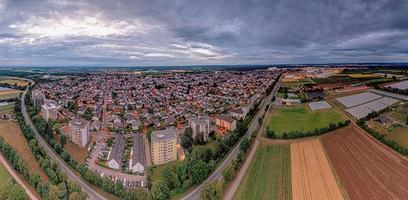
367	168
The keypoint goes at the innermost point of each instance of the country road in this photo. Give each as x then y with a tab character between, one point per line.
217	174
86	187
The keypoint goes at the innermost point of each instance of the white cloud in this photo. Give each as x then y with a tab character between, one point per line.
66	26
166	55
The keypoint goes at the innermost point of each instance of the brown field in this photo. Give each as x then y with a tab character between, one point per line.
11	133
367	168
312	177
8	94
79	154
17	82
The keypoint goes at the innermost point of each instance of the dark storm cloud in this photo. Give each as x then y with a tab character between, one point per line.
176	32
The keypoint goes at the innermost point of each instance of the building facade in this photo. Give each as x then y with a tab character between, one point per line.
37	97
200	127
49	111
164	146
225	122
79	132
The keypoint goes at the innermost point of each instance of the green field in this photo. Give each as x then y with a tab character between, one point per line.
270	169
399	135
301	119
4	176
7	108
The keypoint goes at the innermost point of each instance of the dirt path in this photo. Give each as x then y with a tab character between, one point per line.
17	178
233	186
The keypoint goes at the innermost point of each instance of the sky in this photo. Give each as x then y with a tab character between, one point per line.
202	32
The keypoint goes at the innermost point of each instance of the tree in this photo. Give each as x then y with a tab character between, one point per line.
245	144
12	191
160	192
169	177
270	133
63	140
202	153
228	173
186	142
77	196
198	171
211	191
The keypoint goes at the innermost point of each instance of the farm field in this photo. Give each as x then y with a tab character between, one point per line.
399	135
366	168
4	176
11	81
301	119
312	177
270	168
360	75
397	116
12	134
9	94
7	108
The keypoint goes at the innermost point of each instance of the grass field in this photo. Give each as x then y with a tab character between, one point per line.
9	94
11	133
399	135
270	169
4	176
301	119
7	108
397	116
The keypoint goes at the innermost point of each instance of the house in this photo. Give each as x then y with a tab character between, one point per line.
225	122
116	153
200	126
138	163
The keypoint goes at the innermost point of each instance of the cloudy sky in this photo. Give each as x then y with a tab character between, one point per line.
189	32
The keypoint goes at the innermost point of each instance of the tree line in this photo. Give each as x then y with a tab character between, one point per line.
393	90
58	186
381	137
300	134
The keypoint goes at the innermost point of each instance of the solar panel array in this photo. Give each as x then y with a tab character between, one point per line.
354	100
365	109
401	85
318	105
393	95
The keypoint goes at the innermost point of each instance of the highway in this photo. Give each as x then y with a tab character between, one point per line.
86	187
217	174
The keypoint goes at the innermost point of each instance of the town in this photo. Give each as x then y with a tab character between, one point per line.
124	123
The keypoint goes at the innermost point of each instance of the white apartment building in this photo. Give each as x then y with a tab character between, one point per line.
49	111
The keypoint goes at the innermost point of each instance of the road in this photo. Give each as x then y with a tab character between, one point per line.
17	178
86	187
217	174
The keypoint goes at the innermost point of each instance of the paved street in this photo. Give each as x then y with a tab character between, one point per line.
109	172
